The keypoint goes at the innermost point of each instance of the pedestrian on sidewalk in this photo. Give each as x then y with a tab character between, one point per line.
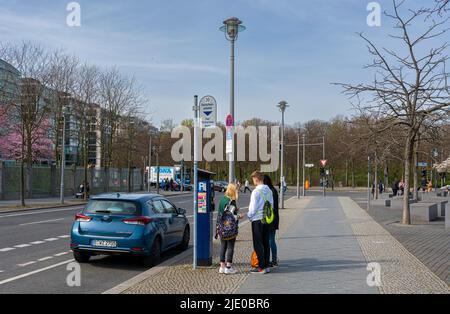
247	187
260	230
227	228
275	225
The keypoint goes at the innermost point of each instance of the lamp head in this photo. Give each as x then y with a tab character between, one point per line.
232	27
282	105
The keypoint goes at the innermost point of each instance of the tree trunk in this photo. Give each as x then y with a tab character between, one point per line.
386	176
346	173
22	172
85	165
375	183
408	159
353	174
129	170
414	167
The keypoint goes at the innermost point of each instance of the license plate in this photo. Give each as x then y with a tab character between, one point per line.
103	243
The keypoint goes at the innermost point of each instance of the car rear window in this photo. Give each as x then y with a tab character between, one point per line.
113	207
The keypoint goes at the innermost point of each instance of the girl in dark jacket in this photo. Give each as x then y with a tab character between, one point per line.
275	224
227	245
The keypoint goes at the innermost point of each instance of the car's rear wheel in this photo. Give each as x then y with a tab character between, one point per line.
155	254
186	239
81	257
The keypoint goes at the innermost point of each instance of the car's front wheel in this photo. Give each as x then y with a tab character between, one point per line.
81	257
155	254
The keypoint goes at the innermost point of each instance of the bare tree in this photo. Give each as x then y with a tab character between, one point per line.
119	97
410	85
86	92
62	77
31	112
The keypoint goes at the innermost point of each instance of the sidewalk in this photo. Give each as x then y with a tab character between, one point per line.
44	203
325	246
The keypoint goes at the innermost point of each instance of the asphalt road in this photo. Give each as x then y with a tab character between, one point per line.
35	252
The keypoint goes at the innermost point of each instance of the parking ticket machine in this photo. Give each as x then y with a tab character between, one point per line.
205	224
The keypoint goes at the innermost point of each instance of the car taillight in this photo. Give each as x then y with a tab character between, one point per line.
82	218
138	221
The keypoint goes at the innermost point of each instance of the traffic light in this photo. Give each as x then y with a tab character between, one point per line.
322	172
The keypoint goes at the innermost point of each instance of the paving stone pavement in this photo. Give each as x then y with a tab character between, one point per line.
401	271
182	279
430	243
319	255
325	246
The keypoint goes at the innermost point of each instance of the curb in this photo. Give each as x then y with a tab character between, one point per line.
155	270
149	273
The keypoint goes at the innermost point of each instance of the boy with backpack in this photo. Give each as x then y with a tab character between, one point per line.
261	215
227	228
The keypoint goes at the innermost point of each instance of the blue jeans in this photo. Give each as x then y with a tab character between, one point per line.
273	245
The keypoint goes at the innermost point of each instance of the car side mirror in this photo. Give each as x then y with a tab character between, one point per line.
181	211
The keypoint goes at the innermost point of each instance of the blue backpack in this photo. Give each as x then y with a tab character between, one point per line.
228	224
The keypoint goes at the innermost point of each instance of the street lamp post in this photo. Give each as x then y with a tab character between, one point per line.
156	151
149	161
368	182
304	162
298	165
231	28
63	159
282	105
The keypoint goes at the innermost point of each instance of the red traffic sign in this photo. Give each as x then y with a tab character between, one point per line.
324	162
230	121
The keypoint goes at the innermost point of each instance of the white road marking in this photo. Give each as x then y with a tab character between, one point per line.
45	258
41	222
7	249
51	239
21	246
61	254
35	272
37	242
64	236
27	264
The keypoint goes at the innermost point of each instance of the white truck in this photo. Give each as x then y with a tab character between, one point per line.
169	173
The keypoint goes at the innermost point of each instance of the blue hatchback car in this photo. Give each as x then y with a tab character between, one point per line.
129	224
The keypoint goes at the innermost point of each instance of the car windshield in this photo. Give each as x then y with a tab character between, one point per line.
114	207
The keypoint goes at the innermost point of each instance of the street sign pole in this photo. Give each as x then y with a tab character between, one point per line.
196	158
63	162
304	162
324	178
298	166
149	162
368	183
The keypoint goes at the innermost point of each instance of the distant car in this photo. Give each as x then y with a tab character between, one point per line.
128	224
186	187
220	186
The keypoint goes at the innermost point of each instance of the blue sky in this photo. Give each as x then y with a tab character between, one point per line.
292	49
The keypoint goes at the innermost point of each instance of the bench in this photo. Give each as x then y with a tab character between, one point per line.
443	208
442	204
424	212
